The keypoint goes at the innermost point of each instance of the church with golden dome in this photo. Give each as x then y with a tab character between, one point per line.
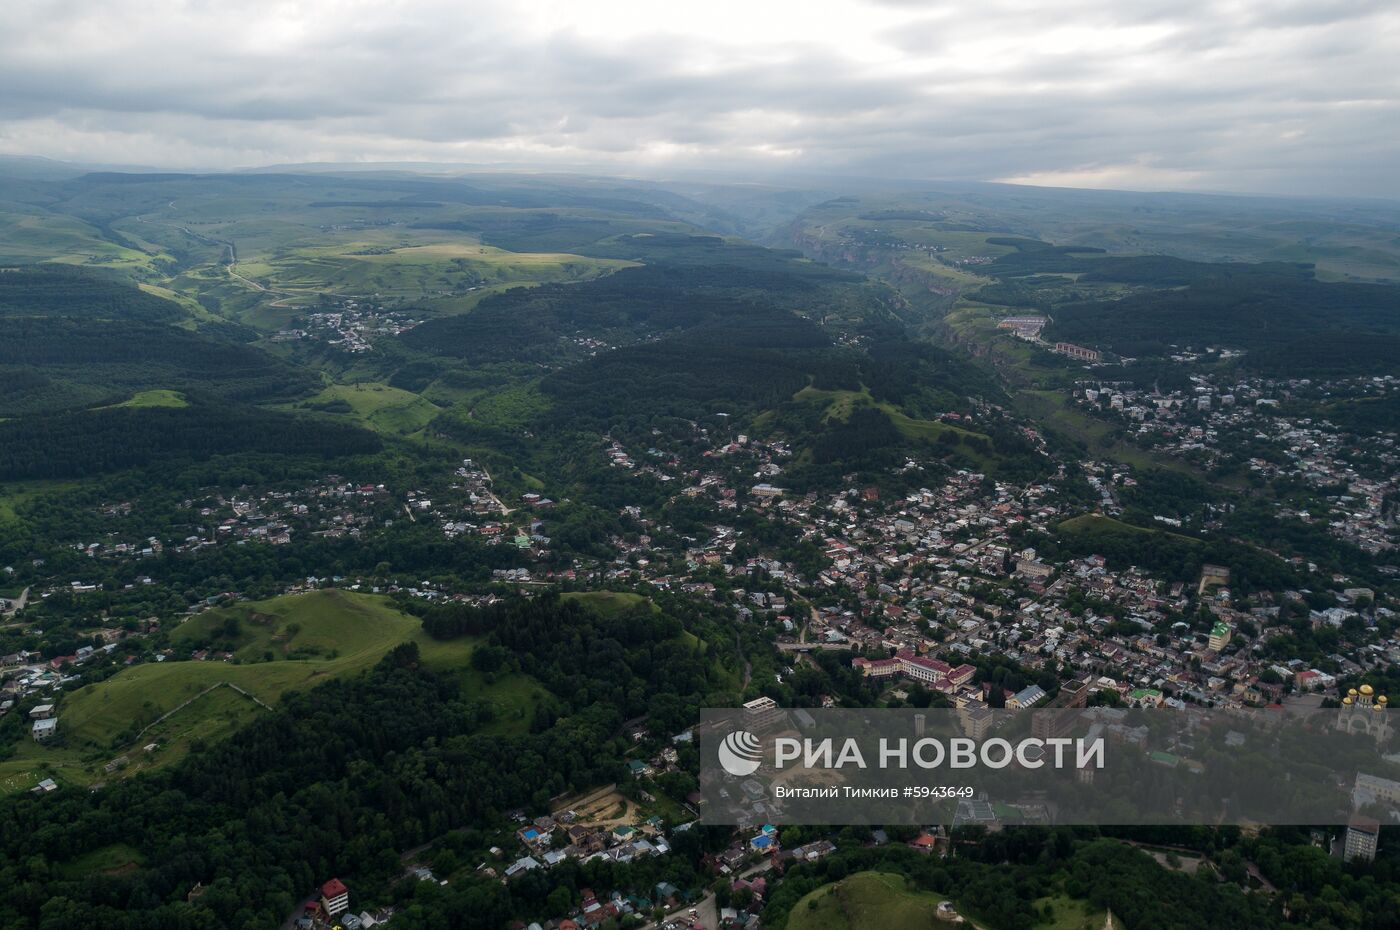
1363	711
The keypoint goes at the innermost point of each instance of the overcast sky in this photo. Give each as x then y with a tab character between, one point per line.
1294	96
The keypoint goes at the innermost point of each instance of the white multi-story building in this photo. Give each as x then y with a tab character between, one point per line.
335	897
1362	834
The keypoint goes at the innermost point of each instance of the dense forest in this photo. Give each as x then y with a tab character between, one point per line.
1289	321
92	442
75	337
629	306
564	644
1256	311
63	291
751	363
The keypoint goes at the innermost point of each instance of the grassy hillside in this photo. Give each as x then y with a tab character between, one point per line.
840	404
844	418
413	265
310	639
1098	524
155	398
35	235
246	245
867	899
333	625
377	405
707	327
607	603
886	900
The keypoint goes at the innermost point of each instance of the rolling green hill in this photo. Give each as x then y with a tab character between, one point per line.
606	603
377	405
889	902
155	398
246	245
416	266
867	899
1342	240
339	626
311	638
29	234
839	405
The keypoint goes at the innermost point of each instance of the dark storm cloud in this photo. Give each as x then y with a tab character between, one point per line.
1256	95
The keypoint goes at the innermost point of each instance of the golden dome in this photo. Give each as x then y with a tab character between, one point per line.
1367	689
1346	701
1382	699
1377	707
1351	691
